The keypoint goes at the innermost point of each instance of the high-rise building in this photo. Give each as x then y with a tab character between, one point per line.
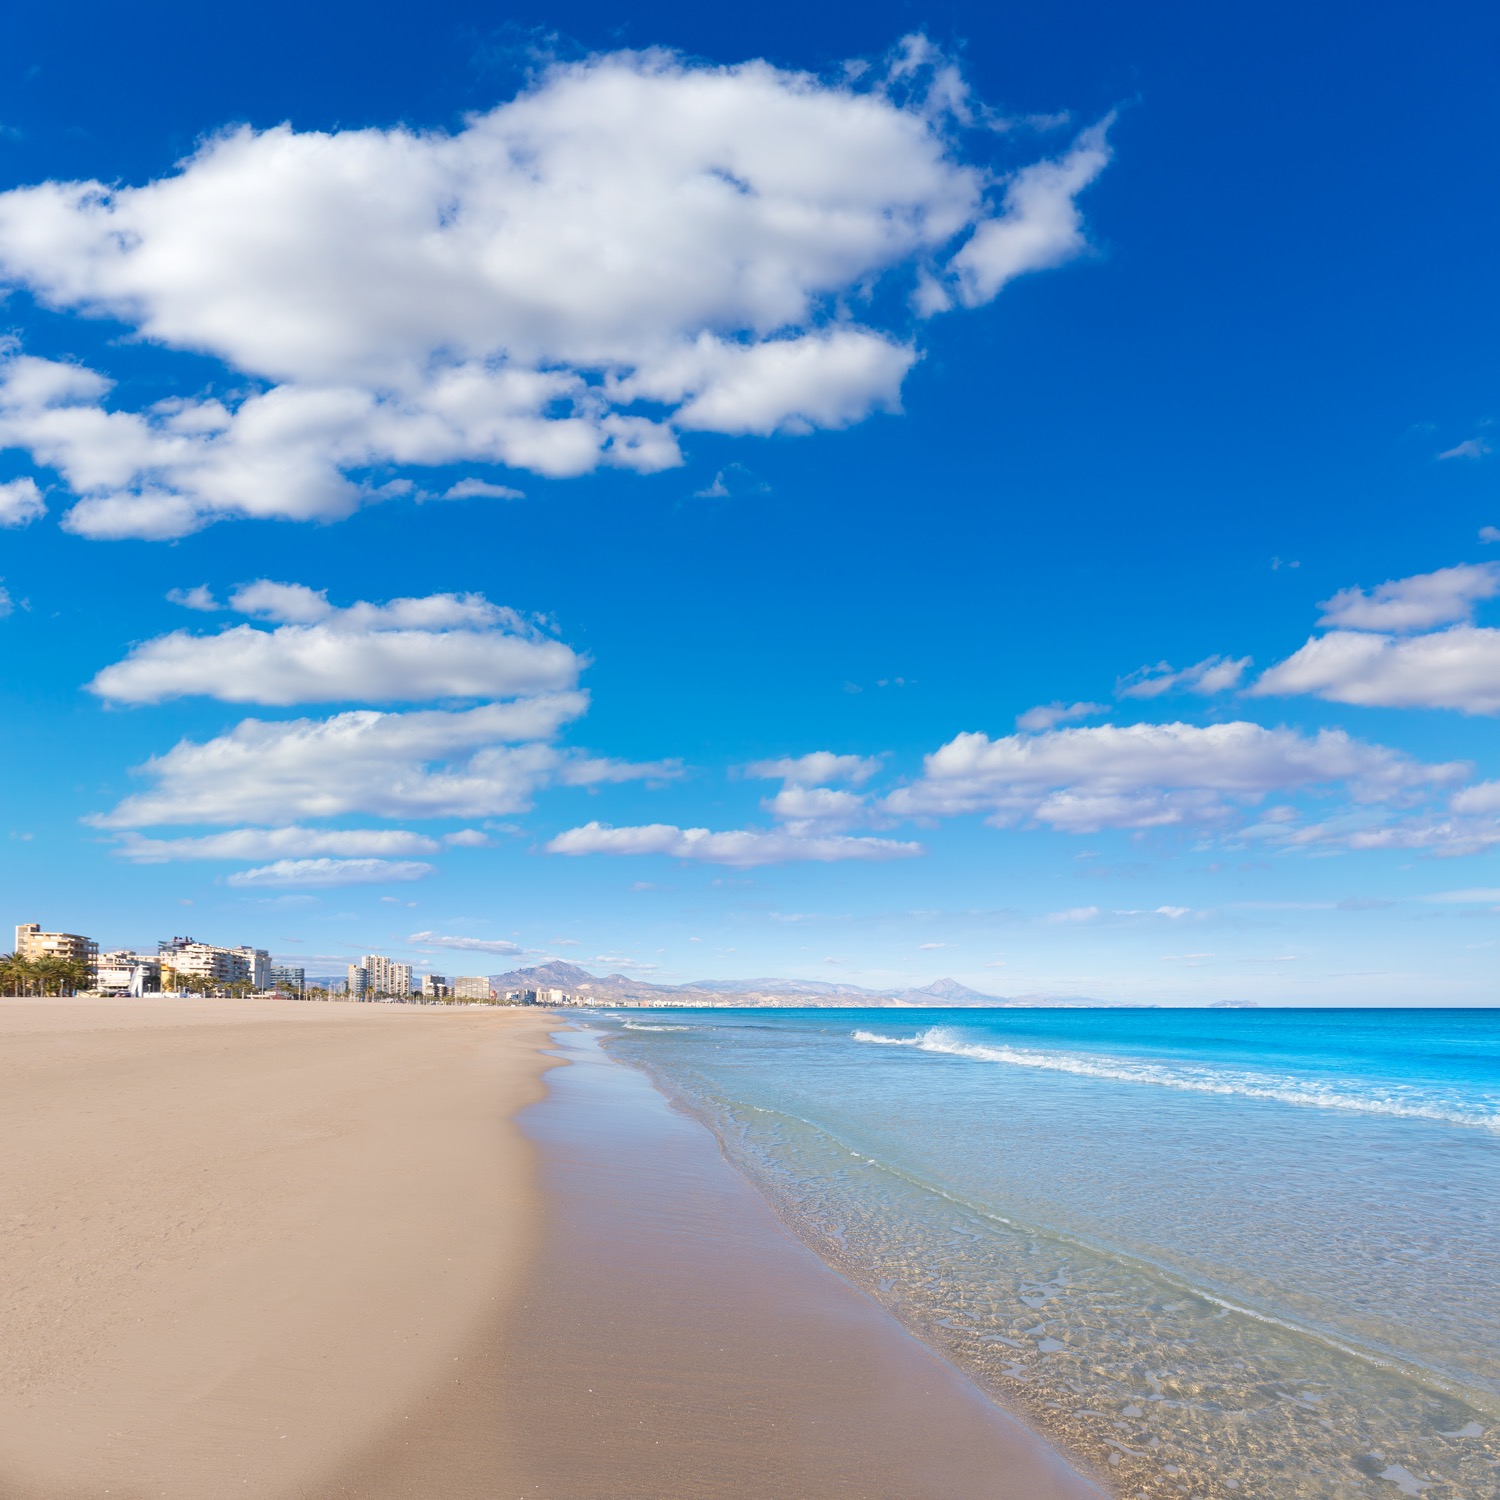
285	977
385	976
33	943
358	987
472	987
434	987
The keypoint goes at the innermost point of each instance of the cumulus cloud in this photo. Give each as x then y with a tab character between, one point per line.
1151	775
809	809
200	597
635	246
425	764
1214	674
408	650
465	944
740	847
273	843
20	502
1489	533
1455	668
819	768
1049	715
330	872
1416	603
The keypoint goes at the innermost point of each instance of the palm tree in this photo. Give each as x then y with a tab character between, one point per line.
15	972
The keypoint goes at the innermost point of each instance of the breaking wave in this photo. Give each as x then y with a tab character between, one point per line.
1359	1097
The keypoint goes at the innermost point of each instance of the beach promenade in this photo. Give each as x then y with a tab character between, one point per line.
274	1249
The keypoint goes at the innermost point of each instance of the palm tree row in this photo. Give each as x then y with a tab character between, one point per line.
43	976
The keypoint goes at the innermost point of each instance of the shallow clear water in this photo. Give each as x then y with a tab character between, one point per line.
1213	1252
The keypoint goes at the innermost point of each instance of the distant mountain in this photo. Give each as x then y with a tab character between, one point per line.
619	989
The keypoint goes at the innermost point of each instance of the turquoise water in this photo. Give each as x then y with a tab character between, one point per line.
1212	1252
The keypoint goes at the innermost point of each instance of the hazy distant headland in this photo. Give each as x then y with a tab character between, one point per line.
618	989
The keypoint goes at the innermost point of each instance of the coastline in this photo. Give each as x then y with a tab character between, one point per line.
345	1252
674	1340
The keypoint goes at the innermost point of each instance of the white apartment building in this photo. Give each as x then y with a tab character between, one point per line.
33	943
383	976
190	958
435	987
472	987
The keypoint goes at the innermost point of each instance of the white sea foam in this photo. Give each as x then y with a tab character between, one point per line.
647	1026
1362	1098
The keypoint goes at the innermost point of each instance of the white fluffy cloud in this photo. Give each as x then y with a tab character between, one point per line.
409	650
1050	715
1151	775
20	502
1214	674
820	768
634	246
330	872
1370	658
1416	603
742	847
1454	668
426	764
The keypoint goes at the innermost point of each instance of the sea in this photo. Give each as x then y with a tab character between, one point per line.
1208	1252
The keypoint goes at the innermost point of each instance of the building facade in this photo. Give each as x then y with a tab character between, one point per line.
472	987
435	987
285	977
383	976
32	943
124	972
187	958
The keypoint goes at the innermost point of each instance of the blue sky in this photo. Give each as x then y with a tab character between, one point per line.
989	491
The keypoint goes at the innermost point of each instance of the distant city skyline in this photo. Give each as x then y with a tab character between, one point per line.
1013	501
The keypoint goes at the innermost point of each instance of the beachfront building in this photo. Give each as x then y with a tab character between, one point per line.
33	945
206	963
435	987
382	977
284	977
125	972
472	987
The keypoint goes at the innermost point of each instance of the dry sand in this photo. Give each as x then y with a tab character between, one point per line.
239	1239
303	1252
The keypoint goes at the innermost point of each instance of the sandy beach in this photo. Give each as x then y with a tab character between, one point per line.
241	1238
278	1249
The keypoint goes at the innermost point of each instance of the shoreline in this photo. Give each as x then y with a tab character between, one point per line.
673	1340
350	1252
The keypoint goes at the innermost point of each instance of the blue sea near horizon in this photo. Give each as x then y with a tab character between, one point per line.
1211	1252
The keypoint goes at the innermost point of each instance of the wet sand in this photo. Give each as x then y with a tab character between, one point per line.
673	1341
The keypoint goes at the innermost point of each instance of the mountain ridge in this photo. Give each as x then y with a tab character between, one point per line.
620	989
